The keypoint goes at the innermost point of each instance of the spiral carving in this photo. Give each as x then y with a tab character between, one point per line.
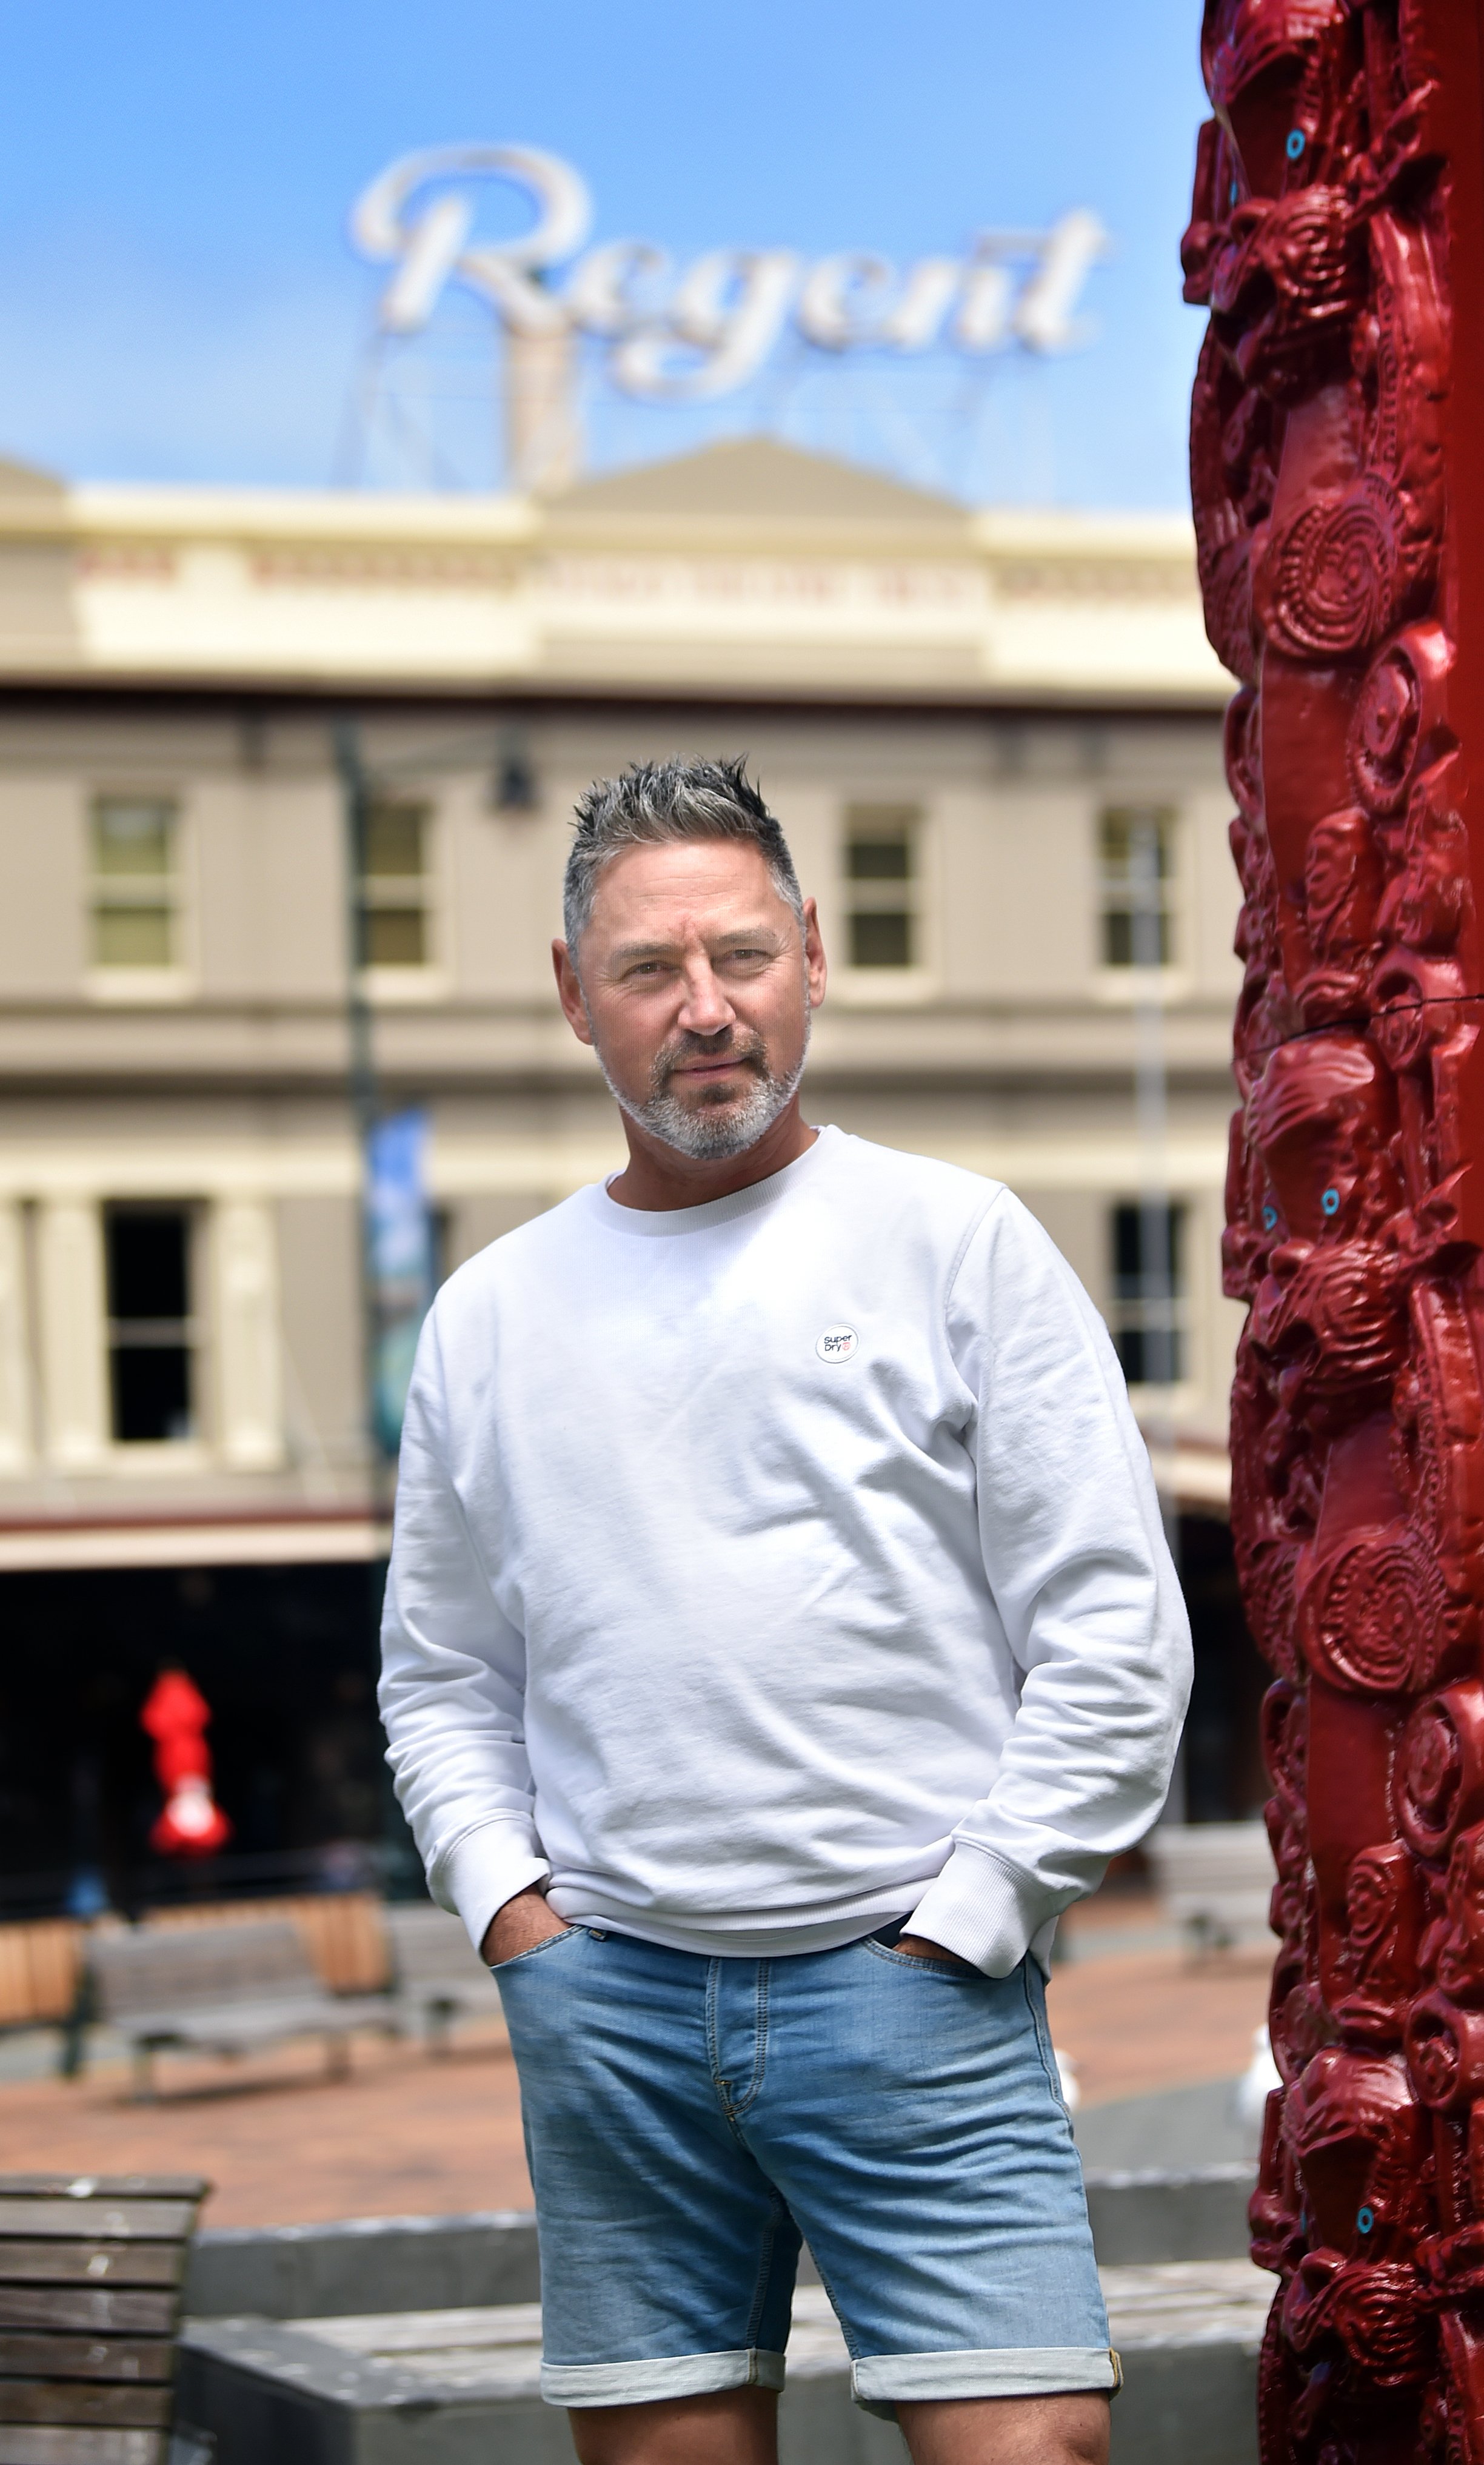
1398	724
1333	583
1374	1619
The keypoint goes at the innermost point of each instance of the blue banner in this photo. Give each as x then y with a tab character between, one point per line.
400	1270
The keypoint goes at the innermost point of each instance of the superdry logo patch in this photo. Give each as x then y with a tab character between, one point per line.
839	1343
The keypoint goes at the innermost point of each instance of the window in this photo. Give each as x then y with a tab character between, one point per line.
394	887
882	875
1138	881
151	1366
880	867
135	895
1149	1314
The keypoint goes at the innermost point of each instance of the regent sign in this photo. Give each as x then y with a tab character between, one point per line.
693	333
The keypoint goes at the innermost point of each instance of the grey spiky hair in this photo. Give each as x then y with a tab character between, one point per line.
653	801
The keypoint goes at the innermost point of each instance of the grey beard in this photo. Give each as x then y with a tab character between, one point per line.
716	1133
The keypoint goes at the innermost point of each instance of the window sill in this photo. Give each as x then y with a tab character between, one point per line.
1126	988
885	987
154	1459
395	988
136	985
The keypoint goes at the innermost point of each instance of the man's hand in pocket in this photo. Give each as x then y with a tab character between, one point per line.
520	1926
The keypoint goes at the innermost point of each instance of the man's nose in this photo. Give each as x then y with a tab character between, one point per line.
706	1010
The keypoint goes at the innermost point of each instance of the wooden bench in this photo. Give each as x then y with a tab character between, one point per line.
439	1975
91	2269
344	1932
225	1988
1214	1878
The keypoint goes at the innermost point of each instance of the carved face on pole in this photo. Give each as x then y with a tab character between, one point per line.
1327	1315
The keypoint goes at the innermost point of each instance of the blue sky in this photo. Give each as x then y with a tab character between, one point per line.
179	300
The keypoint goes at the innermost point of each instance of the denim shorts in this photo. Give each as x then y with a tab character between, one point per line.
687	2120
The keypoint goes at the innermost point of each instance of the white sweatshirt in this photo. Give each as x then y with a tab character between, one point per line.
774	1569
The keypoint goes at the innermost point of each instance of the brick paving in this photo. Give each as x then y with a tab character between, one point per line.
409	2134
1158	2019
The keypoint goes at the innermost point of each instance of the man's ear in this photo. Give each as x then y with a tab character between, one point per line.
815	967
569	993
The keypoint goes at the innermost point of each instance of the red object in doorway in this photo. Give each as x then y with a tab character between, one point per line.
176	1714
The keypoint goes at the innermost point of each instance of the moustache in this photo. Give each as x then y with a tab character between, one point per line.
749	1052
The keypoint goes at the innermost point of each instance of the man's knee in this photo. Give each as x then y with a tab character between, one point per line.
1069	2429
734	2427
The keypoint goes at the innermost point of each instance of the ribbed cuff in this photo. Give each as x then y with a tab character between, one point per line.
987	1912
485	1869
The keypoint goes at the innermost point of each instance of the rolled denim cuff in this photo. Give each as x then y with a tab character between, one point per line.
881	2382
668	2375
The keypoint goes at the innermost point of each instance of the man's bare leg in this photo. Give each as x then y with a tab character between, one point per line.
1008	2430
736	2427
739	2427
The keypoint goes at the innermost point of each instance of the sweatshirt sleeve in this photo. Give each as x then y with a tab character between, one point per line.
453	1687
1076	1561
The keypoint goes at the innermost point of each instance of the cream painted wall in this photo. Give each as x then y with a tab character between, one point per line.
302	949
1020	906
43	922
503	872
72	1327
320	1307
16	1405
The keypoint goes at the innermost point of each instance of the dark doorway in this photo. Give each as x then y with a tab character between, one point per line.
286	1658
1225	1781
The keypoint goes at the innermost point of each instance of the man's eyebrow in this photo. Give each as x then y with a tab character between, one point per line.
622	951
625	954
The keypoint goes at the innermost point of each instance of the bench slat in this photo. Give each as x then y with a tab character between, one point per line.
295	2015
87	2306
157	1971
92	2263
54	2443
41	2357
110	2220
73	2401
104	2186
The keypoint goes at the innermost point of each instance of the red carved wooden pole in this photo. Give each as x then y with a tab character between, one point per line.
1338	468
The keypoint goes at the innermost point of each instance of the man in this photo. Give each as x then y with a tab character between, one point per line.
779	1636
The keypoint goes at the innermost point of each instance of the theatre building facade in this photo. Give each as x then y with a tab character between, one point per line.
995	743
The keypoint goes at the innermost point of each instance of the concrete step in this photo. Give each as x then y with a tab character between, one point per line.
465	2262
460	2386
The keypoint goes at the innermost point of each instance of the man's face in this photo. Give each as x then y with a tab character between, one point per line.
694	982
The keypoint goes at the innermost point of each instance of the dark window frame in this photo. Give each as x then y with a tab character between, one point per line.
120	892
1149	1312
387	898
154	1366
1127	917
881	865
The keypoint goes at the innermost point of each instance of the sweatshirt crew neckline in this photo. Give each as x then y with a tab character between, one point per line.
662	1224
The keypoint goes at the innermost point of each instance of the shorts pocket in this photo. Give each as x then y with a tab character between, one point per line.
536	1951
954	1974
